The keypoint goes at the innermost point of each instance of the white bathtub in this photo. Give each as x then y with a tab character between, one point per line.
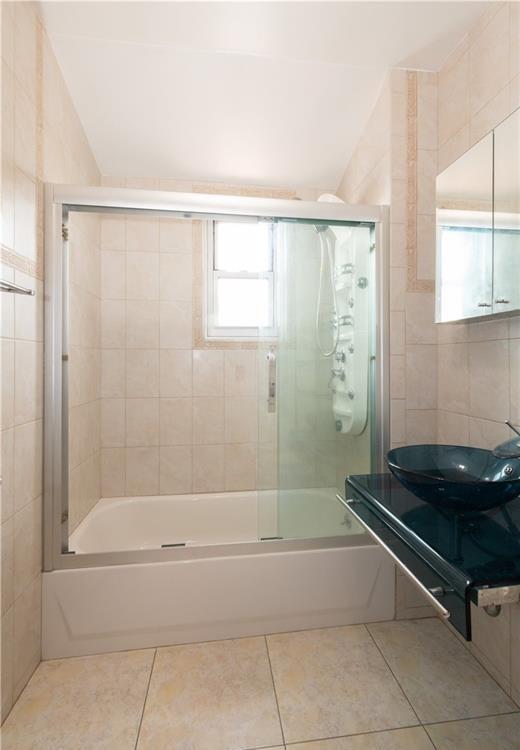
222	584
134	523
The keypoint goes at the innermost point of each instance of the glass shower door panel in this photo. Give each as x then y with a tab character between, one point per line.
82	367
323	373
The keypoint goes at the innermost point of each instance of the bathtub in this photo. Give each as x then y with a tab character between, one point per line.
219	583
138	523
132	523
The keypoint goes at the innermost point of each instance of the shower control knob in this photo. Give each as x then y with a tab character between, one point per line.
340	356
362	282
350	394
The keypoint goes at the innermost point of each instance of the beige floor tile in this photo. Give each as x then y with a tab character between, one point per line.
211	696
81	704
439	676
490	733
326	680
413	738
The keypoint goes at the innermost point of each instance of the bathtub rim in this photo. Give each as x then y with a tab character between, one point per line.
70	560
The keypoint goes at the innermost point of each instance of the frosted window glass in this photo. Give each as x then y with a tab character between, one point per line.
243	246
243	303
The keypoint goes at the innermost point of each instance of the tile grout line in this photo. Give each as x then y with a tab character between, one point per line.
446	721
145	699
430	740
393	675
457	721
274	690
467	646
470	718
352	735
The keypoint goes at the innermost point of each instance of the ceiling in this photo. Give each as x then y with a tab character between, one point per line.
261	92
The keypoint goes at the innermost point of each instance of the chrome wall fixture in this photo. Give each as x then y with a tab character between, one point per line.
10	286
271	380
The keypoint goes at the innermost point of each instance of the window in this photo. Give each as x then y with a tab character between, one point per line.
240	280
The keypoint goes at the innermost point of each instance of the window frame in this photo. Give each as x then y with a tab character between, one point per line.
214	332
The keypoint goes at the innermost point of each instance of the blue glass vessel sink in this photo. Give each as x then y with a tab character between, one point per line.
455	476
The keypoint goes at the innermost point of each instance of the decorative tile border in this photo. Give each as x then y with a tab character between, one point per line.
20	263
413	284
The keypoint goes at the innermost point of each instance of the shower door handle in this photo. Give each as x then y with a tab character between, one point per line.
271	380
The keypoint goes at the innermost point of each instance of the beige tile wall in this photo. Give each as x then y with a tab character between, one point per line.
42	140
479	362
191	413
177	415
394	164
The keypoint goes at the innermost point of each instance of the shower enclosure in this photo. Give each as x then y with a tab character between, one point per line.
215	367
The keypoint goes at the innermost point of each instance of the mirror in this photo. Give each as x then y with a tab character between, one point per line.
506	235
465	235
478	228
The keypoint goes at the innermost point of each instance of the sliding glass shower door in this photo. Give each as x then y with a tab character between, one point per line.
325	356
210	376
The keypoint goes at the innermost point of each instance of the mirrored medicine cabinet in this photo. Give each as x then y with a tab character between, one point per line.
478	228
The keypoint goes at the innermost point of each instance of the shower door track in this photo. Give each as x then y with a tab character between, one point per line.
59	201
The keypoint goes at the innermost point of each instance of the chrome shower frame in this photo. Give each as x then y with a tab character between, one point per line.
59	201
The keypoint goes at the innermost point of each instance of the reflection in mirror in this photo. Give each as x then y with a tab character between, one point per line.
464	235
506	254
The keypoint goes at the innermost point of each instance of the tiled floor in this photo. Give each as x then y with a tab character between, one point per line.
388	686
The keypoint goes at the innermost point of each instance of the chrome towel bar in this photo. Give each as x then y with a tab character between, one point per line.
10	286
430	594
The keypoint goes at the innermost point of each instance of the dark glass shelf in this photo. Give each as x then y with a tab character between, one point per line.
467	549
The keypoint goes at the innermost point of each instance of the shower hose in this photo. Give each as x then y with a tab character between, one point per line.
326	250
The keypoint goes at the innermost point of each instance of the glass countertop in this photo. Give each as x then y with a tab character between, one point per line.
483	546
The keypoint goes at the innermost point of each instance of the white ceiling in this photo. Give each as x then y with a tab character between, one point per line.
261	92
